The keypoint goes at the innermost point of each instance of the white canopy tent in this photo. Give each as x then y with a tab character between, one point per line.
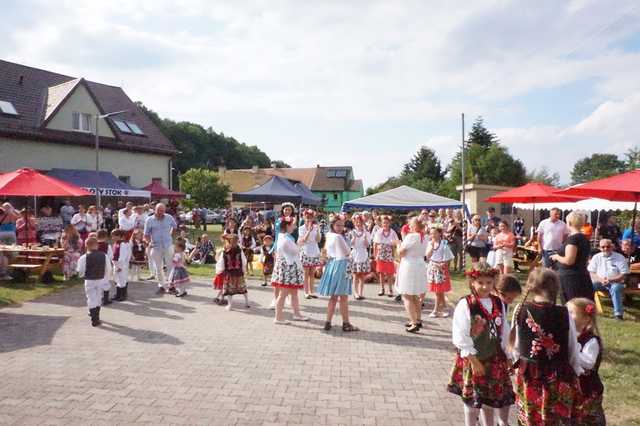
590	204
402	198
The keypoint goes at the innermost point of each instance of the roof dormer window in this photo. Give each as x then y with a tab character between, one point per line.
128	127
82	122
122	126
7	108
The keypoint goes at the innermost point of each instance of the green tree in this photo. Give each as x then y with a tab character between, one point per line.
204	187
492	166
479	135
279	164
544	175
632	158
424	165
595	167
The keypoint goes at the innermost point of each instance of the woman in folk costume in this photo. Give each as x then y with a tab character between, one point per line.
360	263
230	268
288	274
439	256
544	340
336	279
384	243
480	375
287	214
411	280
308	239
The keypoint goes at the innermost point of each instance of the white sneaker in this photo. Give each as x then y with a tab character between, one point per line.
300	318
283	322
228	308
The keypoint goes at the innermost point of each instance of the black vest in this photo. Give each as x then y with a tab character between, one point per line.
233	262
543	333
590	383
95	266
486	326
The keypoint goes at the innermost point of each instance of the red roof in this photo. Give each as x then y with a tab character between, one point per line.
622	187
159	191
533	192
28	182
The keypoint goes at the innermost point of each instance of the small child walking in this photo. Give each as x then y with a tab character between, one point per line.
480	374
179	277
589	409
248	244
95	267
103	245
267	259
138	254
73	246
230	269
120	260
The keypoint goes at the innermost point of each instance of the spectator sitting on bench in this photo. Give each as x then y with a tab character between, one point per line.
630	251
608	269
204	252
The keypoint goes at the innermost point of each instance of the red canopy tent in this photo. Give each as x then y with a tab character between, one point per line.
532	193
622	187
159	191
30	183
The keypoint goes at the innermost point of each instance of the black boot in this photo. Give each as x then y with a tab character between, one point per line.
118	297
105	298
125	291
95	316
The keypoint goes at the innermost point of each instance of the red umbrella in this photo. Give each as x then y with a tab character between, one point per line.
622	187
159	191
30	183
532	193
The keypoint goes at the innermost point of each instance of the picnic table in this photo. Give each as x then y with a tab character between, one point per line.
632	287
33	258
526	256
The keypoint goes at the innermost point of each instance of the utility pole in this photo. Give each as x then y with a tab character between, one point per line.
464	201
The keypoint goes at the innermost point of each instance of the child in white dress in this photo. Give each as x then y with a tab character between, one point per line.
361	265
439	255
308	240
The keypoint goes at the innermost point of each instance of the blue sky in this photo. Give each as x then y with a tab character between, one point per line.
364	83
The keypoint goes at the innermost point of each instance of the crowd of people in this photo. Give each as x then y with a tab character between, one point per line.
553	350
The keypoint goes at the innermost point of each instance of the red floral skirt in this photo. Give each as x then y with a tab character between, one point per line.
493	389
440	282
589	410
384	267
546	397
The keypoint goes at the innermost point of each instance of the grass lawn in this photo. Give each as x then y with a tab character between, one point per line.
620	369
13	292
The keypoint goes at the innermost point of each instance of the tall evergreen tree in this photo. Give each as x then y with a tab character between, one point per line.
479	135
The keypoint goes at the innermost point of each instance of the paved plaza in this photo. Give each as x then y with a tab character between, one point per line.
166	360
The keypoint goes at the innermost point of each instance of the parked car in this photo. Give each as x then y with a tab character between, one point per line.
214	217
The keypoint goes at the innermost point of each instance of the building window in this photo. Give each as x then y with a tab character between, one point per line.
125	179
7	108
505	208
82	122
335	195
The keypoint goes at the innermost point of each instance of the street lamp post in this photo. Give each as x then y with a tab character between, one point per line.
98	117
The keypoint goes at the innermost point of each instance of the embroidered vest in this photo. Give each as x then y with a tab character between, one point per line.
590	382
233	262
246	242
543	331
486	326
95	266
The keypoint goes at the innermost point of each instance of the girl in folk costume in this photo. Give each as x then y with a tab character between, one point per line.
230	269
287	215
248	244
481	370
179	277
138	251
384	241
439	255
411	280
267	258
102	237
360	264
336	279
72	245
544	342
589	400
120	260
232	227
288	274
309	237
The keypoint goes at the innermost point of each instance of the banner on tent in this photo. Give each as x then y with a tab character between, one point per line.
116	192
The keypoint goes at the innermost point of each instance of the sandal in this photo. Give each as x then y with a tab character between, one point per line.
433	315
327	326
408	324
381	293
308	296
413	329
346	327
314	296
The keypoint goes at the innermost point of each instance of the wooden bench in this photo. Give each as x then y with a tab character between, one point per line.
25	270
599	294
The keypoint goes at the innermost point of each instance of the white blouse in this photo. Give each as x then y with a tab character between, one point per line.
309	246
126	223
336	246
380	238
442	253
220	268
588	356
414	247
461	327
288	250
360	246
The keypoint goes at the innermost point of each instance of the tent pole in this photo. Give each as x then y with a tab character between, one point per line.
633	221
464	202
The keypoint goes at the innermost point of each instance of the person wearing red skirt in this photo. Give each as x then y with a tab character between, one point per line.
384	242
439	255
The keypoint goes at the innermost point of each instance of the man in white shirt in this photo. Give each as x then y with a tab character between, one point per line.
552	233
608	269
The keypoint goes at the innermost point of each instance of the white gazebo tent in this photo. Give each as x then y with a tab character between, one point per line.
402	198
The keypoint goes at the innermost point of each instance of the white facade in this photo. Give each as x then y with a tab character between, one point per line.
139	167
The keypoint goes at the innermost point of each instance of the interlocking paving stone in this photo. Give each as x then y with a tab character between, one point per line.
166	360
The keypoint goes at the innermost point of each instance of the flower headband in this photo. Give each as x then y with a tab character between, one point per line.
288	204
481	270
590	309
309	212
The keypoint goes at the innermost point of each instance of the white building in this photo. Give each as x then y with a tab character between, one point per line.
47	121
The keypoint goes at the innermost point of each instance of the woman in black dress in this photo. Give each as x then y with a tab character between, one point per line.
571	262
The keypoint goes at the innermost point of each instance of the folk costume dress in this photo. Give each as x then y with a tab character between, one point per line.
138	251
589	409
547	350
336	279
288	271
267	260
230	269
179	275
438	275
309	249
412	272
480	329
385	240
360	242
72	251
